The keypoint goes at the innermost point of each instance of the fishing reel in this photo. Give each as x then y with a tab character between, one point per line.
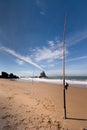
66	86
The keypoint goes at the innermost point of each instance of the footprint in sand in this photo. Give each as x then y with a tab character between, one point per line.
15	94
7	116
28	111
27	93
50	107
6	127
3	107
38	102
27	128
10	98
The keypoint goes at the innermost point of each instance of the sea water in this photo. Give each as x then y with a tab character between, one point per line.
79	81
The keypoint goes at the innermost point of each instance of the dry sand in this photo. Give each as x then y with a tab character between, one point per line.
39	106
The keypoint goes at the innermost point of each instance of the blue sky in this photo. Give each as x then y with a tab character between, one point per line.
31	36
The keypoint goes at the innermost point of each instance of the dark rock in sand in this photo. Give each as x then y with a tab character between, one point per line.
4	75
42	75
8	76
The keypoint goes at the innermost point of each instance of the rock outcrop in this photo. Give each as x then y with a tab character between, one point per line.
42	75
8	76
5	75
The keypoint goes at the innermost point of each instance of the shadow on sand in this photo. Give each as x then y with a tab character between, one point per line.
80	119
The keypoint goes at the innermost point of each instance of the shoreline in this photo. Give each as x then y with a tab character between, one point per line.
74	83
27	106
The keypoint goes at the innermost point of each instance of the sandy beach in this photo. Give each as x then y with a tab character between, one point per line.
39	106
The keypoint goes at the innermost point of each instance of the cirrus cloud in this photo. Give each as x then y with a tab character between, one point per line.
20	62
48	53
23	58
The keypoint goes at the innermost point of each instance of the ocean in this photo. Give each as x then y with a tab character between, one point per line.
79	81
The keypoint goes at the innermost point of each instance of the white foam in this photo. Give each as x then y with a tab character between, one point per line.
55	81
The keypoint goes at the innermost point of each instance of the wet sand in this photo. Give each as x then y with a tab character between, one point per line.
39	106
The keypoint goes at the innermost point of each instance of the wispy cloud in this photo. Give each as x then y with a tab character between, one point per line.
51	43
41	4
51	52
46	54
20	62
42	13
23	58
77	58
76	38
